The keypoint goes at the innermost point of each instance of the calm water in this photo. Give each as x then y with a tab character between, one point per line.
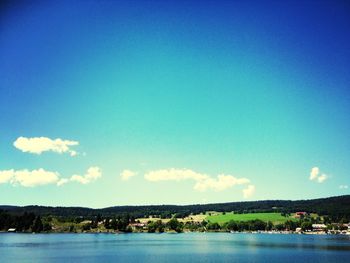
191	247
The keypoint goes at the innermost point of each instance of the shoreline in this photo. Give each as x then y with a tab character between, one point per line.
190	232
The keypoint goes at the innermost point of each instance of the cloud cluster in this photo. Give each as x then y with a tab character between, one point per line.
28	178
40	176
316	176
127	174
38	145
343	186
203	181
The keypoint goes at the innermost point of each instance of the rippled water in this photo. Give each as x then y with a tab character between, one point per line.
187	247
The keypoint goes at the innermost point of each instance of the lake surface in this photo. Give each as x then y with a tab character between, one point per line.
186	247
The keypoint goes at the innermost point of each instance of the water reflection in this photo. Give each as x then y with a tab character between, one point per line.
191	247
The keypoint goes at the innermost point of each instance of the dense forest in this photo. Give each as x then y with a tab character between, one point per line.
336	208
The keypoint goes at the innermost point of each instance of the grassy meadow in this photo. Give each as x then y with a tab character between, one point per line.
221	218
275	218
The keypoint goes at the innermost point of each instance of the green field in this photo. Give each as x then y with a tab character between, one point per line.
273	217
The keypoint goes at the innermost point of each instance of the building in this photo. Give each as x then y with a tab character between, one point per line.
319	227
300	214
298	230
138	224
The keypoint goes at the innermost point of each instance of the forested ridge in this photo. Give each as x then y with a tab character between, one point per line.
335	207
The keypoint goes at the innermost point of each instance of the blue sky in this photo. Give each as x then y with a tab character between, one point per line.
192	101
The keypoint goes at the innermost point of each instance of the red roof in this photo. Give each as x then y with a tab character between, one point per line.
301	213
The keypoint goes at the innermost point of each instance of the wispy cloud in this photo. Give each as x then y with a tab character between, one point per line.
6	176
343	186
203	182
38	145
249	191
28	178
92	174
62	181
173	174
315	175
322	178
222	182
127	174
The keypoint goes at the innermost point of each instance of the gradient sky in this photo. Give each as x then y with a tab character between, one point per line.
250	89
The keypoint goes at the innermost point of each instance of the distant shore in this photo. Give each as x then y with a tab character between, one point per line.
187	232
318	216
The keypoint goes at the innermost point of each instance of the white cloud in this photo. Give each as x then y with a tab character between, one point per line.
127	174
173	174
322	178
39	177
314	173
62	181
222	182
36	177
6	176
343	186
203	181
249	191
92	174
28	178
38	145
79	178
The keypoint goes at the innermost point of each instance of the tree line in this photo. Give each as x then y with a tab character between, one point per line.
23	223
29	222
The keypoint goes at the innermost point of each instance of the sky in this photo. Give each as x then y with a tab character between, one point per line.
106	103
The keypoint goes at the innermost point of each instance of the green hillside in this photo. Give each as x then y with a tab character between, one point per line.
273	217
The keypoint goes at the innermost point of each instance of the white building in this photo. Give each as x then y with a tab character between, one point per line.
319	227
